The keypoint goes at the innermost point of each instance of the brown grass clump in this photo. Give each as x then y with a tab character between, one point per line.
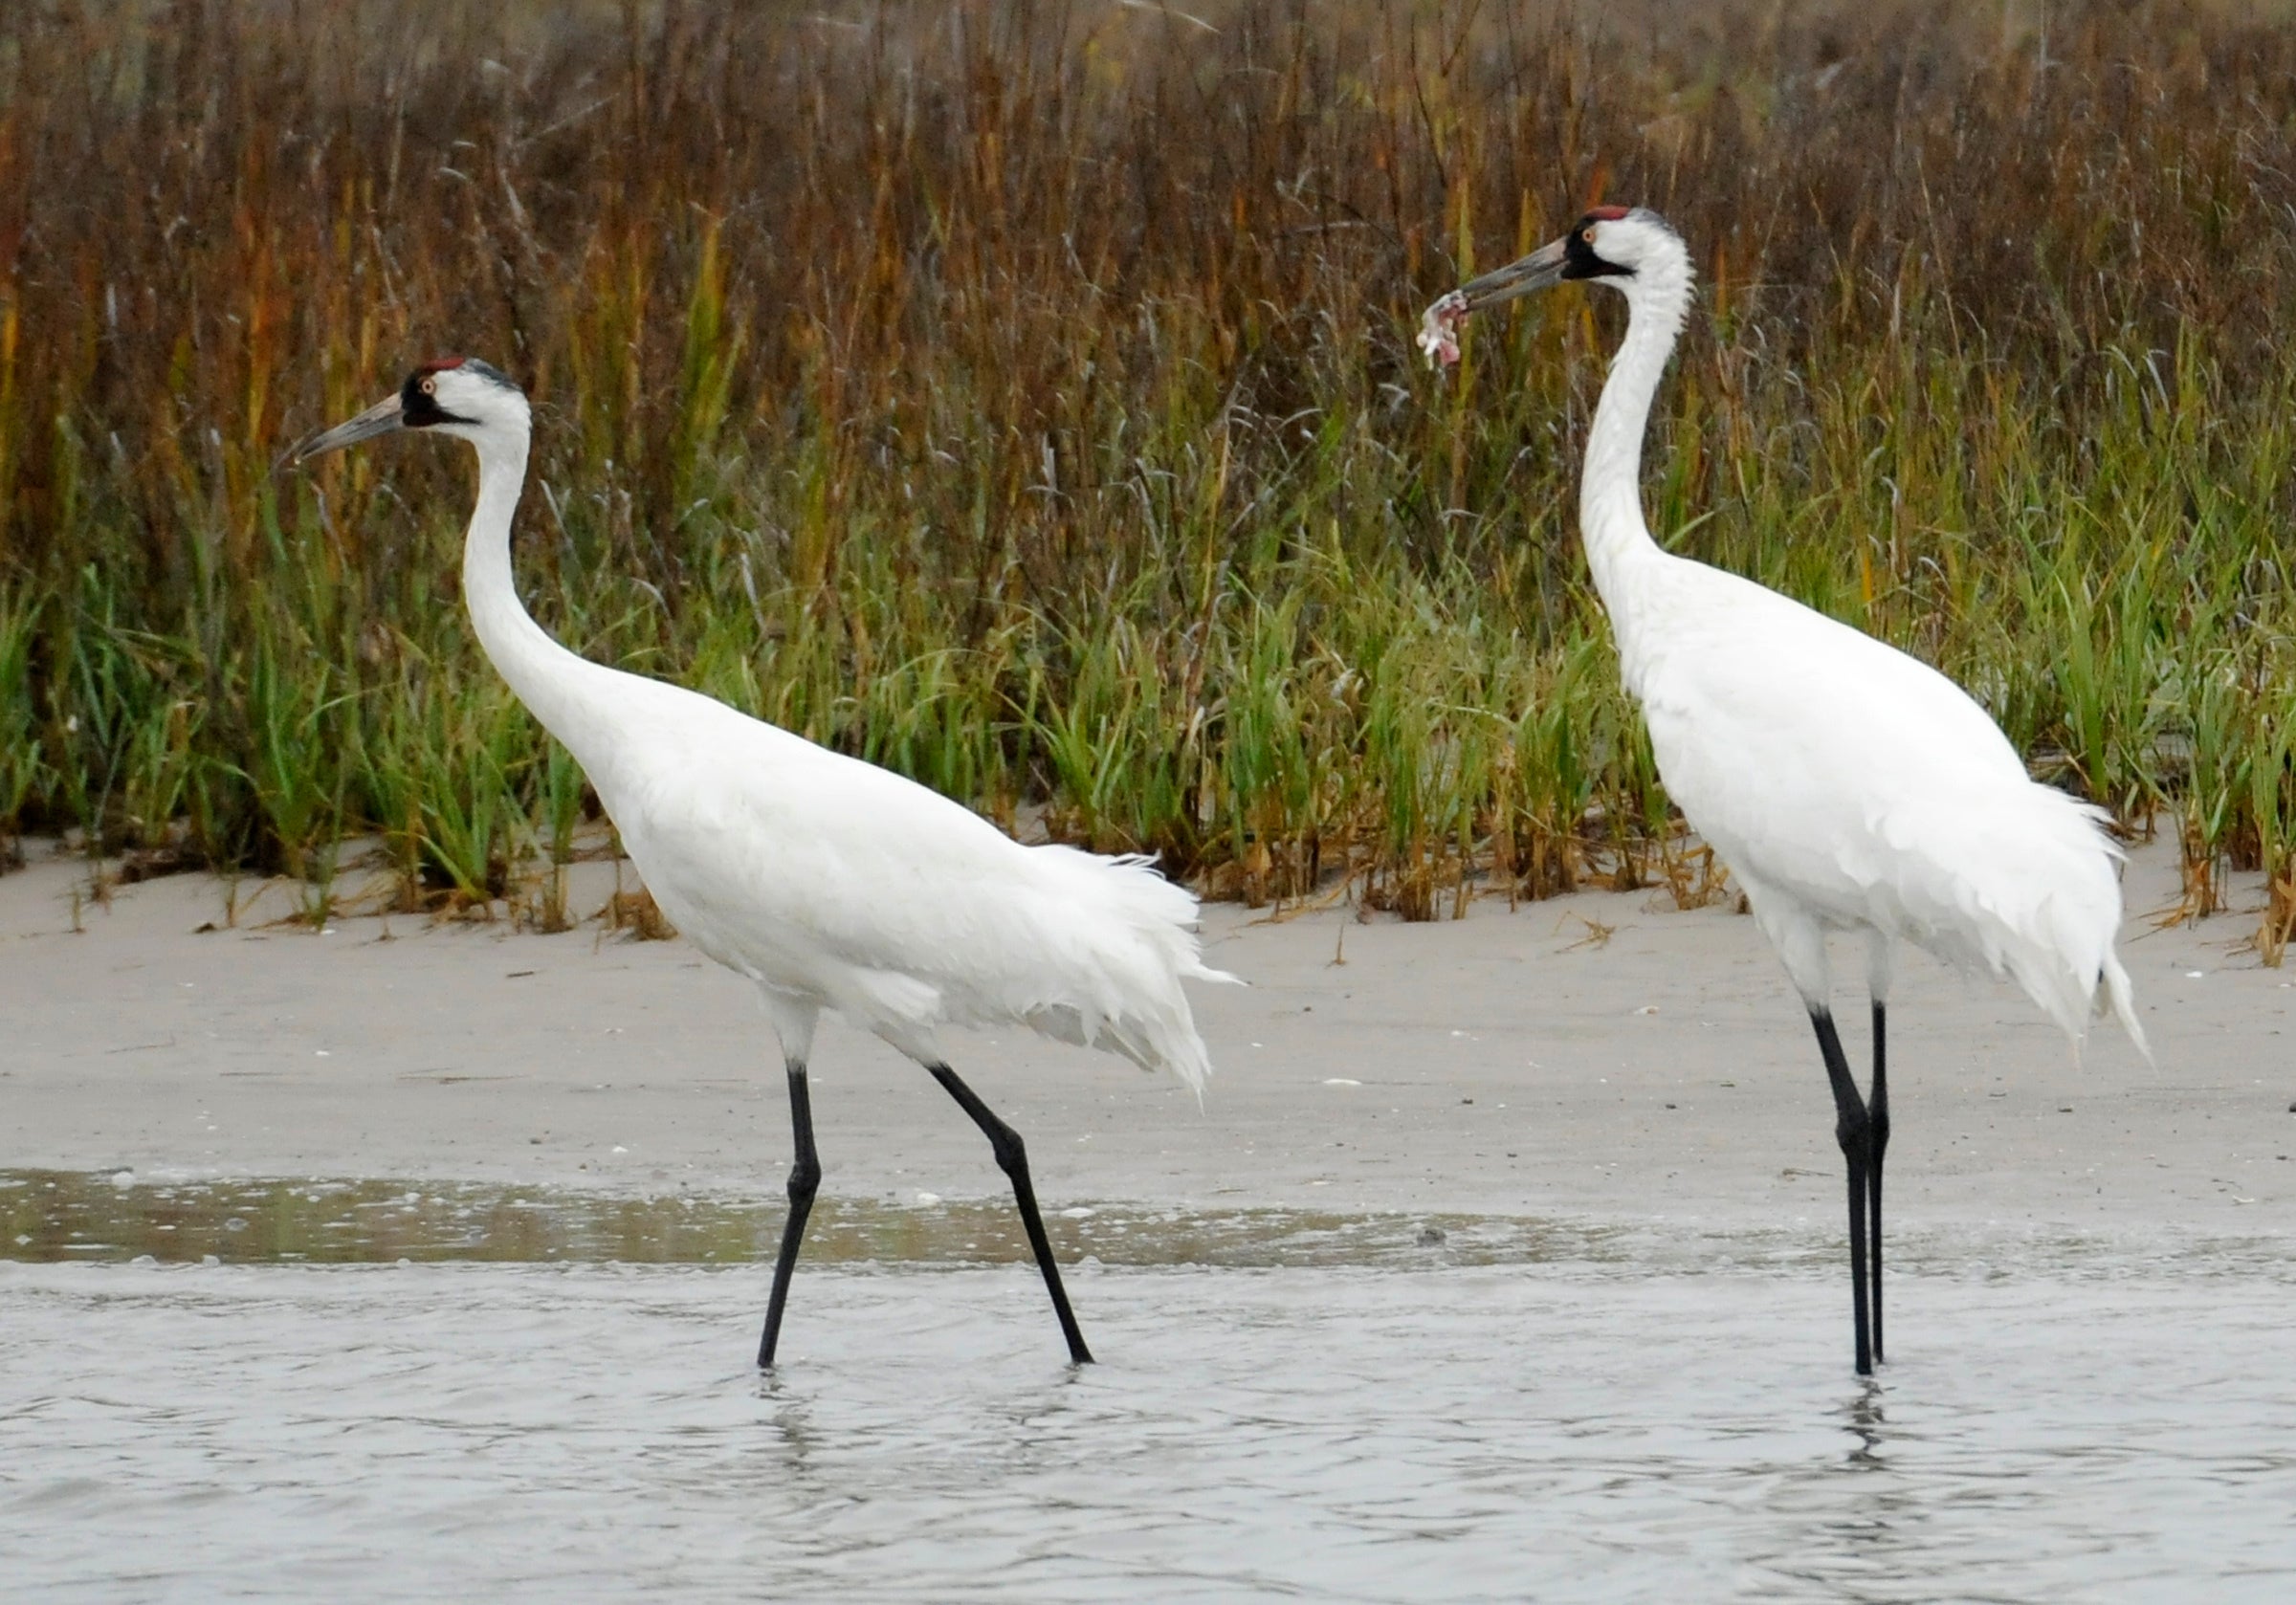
1020	396
638	914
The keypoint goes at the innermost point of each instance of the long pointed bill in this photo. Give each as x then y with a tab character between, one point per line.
1438	326
381	418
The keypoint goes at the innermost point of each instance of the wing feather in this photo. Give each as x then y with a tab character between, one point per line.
1776	726
824	876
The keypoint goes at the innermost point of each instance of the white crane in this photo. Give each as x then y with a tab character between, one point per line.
1849	787
828	882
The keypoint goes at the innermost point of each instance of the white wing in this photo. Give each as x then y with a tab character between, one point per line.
824	876
1862	783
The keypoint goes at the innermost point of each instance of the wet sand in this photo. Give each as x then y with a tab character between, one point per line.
1598	1056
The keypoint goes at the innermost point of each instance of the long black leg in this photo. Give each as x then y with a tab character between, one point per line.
1012	1158
805	1179
1853	1130
1877	1114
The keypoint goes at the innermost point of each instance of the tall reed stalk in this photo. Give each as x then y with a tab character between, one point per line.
1020	395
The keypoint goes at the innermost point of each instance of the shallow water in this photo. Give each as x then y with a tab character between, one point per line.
1572	1418
89	1217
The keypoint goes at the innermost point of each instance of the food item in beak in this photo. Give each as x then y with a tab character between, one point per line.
1438	330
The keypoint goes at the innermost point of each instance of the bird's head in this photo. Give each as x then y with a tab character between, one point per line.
1630	247
456	395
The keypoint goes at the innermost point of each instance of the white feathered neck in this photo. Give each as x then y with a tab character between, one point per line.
1610	502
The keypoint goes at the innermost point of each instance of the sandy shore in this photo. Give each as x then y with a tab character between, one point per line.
1509	1063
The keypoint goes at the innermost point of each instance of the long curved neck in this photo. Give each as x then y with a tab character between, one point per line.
1619	548
547	677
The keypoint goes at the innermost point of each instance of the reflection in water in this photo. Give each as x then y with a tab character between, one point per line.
83	1217
1866	1536
1864	1419
80	1218
789	1438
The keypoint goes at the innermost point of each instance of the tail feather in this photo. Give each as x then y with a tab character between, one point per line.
2124	1002
2037	897
2079	921
1131	940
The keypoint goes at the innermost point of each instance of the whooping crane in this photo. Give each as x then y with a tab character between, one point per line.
828	882
1846	785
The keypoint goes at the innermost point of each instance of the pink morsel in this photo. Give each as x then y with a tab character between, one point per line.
1438	330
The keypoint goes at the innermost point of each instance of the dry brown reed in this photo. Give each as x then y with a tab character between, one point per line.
1020	395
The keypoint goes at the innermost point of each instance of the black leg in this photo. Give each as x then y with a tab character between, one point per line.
1853	1130
1012	1158
1877	1114
804	1179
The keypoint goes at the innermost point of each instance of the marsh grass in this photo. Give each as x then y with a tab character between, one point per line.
1020	396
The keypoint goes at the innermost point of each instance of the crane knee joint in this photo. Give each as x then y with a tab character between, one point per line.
1013	1154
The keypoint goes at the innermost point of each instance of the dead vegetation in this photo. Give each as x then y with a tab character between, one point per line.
1020	396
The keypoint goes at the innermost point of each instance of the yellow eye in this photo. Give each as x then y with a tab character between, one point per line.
431	386
1587	233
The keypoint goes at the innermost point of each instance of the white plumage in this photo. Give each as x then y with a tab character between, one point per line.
830	883
834	883
1888	801
1848	787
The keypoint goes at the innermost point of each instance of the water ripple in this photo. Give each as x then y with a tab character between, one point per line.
1582	1430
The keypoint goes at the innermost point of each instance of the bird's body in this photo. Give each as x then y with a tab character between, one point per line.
936	923
828	882
1847	785
839	886
1887	801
